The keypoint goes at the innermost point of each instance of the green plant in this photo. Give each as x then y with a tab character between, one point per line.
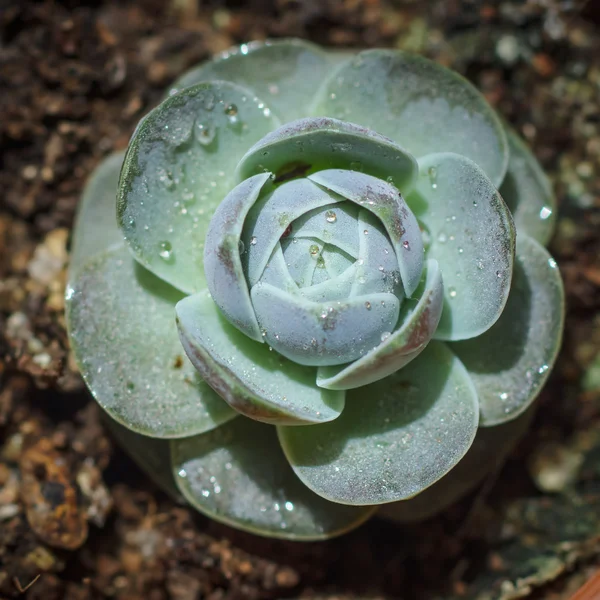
369	302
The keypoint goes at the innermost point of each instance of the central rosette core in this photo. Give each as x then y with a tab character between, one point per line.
315	250
323	274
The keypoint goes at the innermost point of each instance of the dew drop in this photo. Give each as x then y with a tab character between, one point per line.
231	110
385	335
545	213
253	240
498	274
320	263
452	292
406	245
368	305
432	172
314	250
552	263
165	250
330	216
205	133
166	178
366	232
460	250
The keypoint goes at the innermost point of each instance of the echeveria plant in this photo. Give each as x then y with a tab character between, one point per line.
313	295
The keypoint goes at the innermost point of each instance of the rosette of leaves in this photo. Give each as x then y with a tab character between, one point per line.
322	288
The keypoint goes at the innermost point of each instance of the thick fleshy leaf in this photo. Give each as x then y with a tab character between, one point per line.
252	378
309	145
395	438
96	226
510	363
419	104
222	263
178	168
285	73
238	475
299	259
152	455
527	191
323	333
491	447
271	216
386	203
417	324
473	239
121	320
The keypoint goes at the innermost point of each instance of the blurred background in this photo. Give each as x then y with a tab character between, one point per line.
74	80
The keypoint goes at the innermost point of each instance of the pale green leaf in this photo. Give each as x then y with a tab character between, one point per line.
253	379
527	192
121	320
417	324
96	226
395	438
178	168
305	146
510	363
284	73
472	237
419	104
238	475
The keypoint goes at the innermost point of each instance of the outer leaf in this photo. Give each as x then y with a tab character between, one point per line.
309	145
285	73
238	475
178	168
473	239
395	438
96	227
222	262
255	381
385	202
528	193
510	363
418	322
419	104
121	320
490	449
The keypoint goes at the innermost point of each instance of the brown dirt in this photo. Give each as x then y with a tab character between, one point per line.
77	518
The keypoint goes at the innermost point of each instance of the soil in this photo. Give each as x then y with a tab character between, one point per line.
78	520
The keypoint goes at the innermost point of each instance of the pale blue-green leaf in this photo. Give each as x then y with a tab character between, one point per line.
527	192
152	455
285	73
510	362
490	449
95	226
178	168
333	289
472	237
121	322
239	476
335	261
395	438
377	268
386	203
419	104
323	333
278	272
269	218
417	323
334	224
300	258
309	145
222	263
252	378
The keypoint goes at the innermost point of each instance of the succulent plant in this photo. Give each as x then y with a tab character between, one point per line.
310	298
